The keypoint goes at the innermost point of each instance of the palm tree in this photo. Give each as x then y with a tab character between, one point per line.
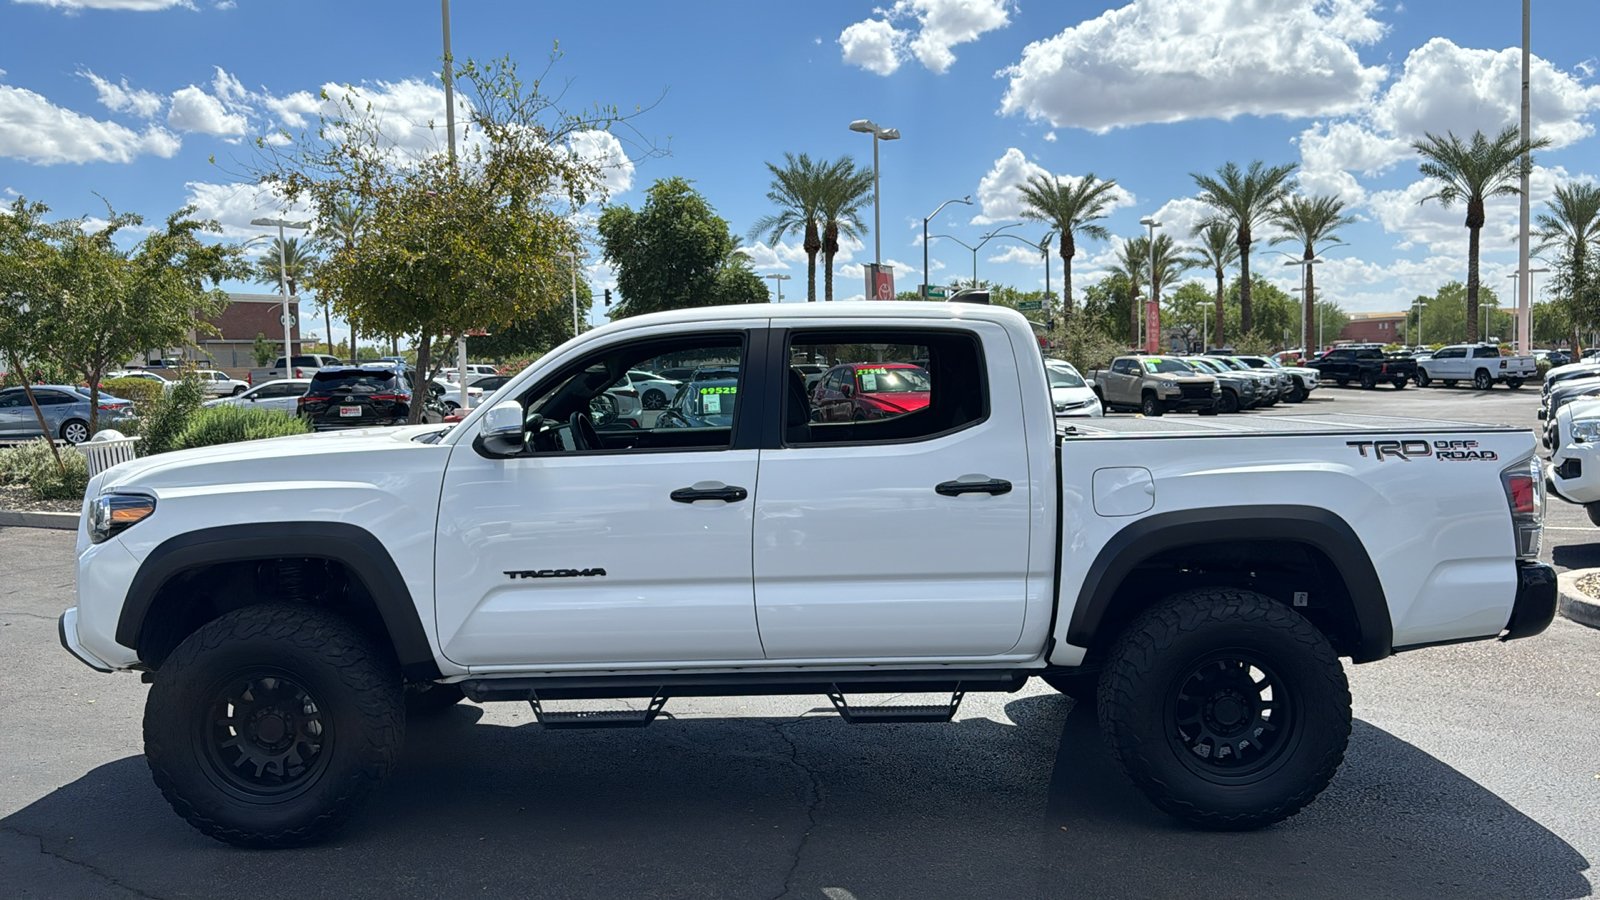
298	261
1217	252
1473	172
1245	199
1135	263
1072	208
1572	228
843	190
339	231
1310	221
796	190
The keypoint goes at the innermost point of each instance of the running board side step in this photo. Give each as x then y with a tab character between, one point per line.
875	715
598	718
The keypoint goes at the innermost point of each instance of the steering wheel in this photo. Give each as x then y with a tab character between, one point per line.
584	437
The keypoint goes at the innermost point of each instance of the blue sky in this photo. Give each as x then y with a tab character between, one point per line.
129	99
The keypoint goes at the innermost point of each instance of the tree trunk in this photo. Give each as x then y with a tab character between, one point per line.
1310	324
1069	249
327	322
813	245
44	427
827	276
354	355
93	380
419	390
1218	340
1475	220
1246	320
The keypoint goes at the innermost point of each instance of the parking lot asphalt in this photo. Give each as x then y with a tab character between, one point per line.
1472	772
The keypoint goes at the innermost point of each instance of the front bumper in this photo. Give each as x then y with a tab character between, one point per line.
1535	606
67	630
1573	473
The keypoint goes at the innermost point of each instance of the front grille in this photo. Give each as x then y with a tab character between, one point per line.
1196	391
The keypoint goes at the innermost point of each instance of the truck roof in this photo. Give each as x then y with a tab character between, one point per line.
862	309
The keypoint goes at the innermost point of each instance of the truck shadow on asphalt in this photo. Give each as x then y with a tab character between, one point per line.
1576	556
808	807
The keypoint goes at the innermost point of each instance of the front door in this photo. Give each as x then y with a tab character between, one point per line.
905	535
604	542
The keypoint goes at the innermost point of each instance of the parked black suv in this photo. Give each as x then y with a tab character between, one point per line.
363	396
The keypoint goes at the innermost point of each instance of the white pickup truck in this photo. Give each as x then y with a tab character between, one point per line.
1482	364
303	367
289	599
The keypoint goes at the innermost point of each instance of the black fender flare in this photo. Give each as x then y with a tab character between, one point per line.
1310	525
353	546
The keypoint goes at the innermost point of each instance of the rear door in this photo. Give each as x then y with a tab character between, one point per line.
902	537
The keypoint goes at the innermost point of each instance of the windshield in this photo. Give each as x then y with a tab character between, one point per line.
1232	364
892	380
711	401
1207	365
1063	378
1160	366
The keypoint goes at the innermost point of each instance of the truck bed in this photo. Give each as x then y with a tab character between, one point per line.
1258	424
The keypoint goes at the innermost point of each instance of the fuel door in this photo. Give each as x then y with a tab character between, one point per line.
1123	491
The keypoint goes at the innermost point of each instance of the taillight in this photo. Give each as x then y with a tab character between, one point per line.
1525	495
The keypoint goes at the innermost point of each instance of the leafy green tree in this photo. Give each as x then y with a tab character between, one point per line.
446	246
263	351
1187	312
1072	208
1473	172
1132	265
1571	230
1277	315
26	251
1308	222
1106	305
845	188
1245	200
104	304
535	335
672	253
341	229
1443	316
1137	264
1217	251
797	192
1331	320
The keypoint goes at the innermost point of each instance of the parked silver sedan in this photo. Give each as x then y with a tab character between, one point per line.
65	409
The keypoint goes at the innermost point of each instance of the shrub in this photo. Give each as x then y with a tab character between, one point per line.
169	415
142	391
32	464
1543	367
229	424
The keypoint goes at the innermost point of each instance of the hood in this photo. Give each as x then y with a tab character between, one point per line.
294	458
909	401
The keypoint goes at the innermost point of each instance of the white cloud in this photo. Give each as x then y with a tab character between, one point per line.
34	129
234	205
130	5
292	109
777	256
878	46
1179	217
1000	190
1449	88
122	98
1050	136
874	45
1172	60
411	113
1442	229
604	150
227	88
195	110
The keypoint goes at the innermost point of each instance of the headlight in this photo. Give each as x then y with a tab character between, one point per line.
111	514
1586	431
1170	385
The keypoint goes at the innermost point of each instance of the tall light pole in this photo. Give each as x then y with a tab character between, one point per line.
283	285
1305	296
1044	251
986	239
450	141
925	282
867	126
1525	329
778	280
1152	224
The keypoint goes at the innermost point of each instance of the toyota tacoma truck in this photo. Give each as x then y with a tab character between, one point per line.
291	601
1482	364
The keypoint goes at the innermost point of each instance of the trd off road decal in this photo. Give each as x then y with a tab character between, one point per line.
1407	449
556	573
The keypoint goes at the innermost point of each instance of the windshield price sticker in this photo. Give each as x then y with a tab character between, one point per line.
1150	364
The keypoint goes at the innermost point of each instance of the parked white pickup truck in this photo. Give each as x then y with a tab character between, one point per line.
1200	578
304	367
1481	364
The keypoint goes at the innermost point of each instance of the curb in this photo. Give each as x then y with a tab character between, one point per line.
14	518
1573	603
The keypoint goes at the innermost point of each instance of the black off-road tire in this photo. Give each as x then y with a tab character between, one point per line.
427	700
1227	402
1342	382
1514	383
1298	393
1593	509
1191	662
1482	380
1449	382
1400	384
1082	685
1151	405
1369	380
328	704
1422	378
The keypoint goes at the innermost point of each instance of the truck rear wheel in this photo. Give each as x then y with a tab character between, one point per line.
1151	405
1514	383
1483	381
270	725
1228	709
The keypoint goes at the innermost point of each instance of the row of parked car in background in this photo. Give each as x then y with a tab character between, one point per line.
1569	406
1216	382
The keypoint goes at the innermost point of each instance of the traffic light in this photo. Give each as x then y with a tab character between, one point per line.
608	296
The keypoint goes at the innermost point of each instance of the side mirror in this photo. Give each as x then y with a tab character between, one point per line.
501	435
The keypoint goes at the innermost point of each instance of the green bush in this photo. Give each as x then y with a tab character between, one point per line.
230	424
142	391
170	415
32	464
1543	366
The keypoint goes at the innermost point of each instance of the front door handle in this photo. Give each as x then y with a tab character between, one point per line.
728	494
957	488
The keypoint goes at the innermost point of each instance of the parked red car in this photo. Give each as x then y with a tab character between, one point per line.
859	391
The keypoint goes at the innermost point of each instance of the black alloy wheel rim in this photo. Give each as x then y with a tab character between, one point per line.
264	737
1231	717
654	400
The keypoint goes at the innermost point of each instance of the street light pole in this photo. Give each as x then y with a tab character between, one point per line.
986	239
867	126
1525	300
1044	251
925	277
450	141
1305	297
283	285
1152	224
778	280
1524	329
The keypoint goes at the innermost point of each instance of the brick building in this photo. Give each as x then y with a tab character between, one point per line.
1375	328
246	316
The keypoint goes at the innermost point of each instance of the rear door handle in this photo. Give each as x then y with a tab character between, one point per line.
728	494
957	488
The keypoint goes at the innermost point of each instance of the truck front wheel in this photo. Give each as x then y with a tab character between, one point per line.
1151	405
1228	709
270	725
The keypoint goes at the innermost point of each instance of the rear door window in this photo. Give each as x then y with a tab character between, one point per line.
888	385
